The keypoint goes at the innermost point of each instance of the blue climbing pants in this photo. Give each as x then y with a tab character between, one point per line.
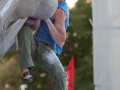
37	52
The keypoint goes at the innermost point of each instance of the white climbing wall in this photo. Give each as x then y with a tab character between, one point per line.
106	44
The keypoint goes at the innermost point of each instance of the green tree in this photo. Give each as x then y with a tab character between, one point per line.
79	44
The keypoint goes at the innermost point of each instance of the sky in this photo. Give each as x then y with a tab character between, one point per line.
71	3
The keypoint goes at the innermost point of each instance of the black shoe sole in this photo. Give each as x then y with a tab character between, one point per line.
28	80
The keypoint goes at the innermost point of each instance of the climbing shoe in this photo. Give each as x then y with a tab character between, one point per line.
27	77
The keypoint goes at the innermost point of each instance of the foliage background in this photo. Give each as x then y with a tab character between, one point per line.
78	43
